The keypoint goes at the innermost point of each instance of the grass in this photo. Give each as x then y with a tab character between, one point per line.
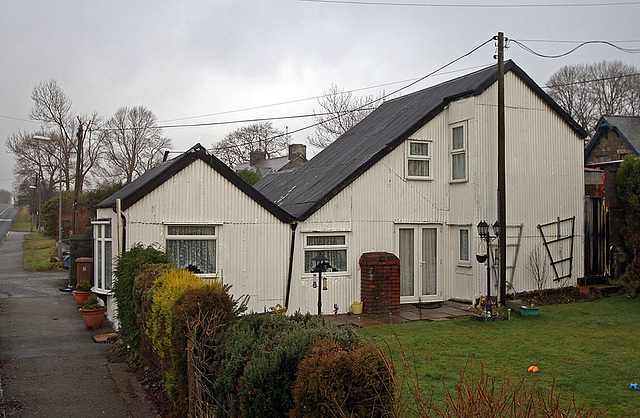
38	253
22	222
590	350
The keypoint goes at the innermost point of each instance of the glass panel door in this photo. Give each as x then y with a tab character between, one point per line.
407	264
418	254
429	261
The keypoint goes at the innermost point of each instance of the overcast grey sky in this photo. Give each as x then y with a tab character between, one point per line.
183	59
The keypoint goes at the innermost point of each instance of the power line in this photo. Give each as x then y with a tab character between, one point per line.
564	54
226	112
469	5
591	81
365	105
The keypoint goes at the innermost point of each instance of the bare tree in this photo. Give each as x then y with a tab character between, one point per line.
340	111
538	268
52	107
236	146
588	91
134	143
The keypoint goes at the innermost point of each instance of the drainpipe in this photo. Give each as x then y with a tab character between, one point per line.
293	225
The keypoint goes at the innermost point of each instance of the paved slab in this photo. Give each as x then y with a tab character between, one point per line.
408	313
50	364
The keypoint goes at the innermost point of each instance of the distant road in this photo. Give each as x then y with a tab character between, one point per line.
8	213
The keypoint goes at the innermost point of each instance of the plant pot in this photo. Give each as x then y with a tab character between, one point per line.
93	318
356	308
585	290
82	296
529	311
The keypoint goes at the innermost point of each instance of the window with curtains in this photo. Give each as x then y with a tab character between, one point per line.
333	246
102	255
418	160
458	154
192	247
463	245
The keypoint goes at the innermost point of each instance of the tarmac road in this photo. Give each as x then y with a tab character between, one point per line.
49	364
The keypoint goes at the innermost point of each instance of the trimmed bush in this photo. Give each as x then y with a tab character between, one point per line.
164	294
255	366
128	266
200	314
334	380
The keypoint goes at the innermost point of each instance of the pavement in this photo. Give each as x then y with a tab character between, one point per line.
436	311
49	363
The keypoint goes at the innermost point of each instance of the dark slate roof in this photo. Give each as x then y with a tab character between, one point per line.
307	188
146	183
627	128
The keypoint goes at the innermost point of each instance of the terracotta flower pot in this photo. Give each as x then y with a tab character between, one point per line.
81	296
93	317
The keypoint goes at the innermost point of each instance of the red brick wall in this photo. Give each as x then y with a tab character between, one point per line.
380	282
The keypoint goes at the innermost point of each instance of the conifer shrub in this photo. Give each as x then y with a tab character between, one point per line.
338	380
143	284
200	314
128	266
255	365
164	294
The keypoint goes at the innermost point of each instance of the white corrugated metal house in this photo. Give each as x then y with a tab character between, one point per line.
413	178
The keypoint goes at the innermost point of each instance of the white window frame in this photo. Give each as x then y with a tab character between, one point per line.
418	157
464	262
103	265
197	237
340	247
454	152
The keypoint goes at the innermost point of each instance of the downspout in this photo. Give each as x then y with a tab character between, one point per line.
293	225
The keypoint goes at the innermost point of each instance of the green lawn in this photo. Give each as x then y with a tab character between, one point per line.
22	222
38	253
592	350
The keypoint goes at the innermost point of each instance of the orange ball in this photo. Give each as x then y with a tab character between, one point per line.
532	369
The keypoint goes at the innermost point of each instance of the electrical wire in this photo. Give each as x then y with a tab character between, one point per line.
226	112
365	105
564	54
470	5
593	80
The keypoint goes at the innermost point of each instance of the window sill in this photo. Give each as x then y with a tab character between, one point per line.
328	275
408	178
102	291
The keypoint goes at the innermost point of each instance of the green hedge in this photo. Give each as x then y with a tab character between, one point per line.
128	267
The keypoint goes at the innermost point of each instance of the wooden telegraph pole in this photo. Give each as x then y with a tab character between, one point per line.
502	207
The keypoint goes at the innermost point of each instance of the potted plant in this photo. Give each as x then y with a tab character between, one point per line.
82	292
93	313
530	310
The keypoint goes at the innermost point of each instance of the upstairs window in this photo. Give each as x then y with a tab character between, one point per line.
458	154
418	160
192	247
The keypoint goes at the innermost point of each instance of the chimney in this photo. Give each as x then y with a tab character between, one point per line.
297	150
255	156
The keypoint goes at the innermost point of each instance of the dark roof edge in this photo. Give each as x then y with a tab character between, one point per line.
511	66
185	159
488	82
382	153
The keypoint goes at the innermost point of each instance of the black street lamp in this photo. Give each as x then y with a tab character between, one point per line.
483	231
322	265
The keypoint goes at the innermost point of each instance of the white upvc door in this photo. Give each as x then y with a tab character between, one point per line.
418	253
